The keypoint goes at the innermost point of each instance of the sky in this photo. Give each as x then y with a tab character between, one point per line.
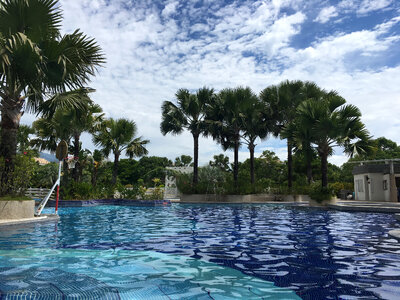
153	48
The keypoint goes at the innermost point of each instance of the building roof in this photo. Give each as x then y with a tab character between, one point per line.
41	161
375	168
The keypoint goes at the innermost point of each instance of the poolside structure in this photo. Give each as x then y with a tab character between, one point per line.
171	191
377	180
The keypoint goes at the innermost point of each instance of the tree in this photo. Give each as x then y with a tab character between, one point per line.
300	135
37	66
332	123
220	161
118	136
83	121
183	161
188	113
256	123
282	101
224	123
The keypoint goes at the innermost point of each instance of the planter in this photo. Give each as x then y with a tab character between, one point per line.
15	209
213	198
314	203
301	198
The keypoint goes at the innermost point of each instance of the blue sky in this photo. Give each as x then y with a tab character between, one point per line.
154	48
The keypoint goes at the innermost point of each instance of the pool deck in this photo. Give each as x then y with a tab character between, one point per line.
41	219
366	206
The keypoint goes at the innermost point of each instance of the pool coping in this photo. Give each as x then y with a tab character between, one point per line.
395	233
43	218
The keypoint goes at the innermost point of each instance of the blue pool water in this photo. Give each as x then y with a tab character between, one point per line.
202	252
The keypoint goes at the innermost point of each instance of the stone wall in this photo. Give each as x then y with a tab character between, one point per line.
17	209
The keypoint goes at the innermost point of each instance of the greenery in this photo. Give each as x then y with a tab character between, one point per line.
51	83
53	74
118	136
320	194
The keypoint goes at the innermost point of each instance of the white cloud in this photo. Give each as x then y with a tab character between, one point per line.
326	14
150	55
367	6
170	9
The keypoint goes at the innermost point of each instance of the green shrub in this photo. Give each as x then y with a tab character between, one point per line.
320	194
22	174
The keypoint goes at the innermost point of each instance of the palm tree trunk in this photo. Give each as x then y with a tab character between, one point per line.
251	149
309	171
290	164
75	171
236	163
196	158
309	165
10	118
324	168
115	168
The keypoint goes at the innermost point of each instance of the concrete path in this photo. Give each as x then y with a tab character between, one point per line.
42	218
366	206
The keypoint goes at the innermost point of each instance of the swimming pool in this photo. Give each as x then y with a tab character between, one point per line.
202	252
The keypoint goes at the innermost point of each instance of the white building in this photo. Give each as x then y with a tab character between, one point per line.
377	182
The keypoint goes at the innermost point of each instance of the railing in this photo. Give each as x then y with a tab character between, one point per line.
39	193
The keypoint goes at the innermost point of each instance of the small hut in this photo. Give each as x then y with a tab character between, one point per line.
377	180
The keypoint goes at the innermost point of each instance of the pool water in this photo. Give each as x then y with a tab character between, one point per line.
202	252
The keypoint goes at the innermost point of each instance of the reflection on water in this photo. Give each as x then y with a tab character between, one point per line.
319	254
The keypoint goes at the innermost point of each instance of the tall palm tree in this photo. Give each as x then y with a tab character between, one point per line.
332	123
300	135
88	120
282	100
118	136
225	120
256	123
188	113
37	65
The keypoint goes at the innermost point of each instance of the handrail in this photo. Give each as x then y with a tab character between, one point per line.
43	203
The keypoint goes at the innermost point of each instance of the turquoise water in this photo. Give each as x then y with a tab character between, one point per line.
202	252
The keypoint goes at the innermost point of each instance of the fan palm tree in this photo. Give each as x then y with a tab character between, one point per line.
88	120
256	123
37	66
282	100
189	114
118	136
226	118
331	124
300	135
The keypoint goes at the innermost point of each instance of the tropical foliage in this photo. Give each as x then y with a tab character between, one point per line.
119	136
188	113
54	71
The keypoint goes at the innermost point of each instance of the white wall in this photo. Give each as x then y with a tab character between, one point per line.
359	195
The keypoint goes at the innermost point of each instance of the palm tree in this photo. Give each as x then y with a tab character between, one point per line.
282	100
225	119
38	65
88	120
300	135
256	123
332	123
118	136
189	114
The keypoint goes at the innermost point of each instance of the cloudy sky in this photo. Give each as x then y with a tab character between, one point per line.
155	47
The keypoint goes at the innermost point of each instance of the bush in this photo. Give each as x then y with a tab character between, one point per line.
22	174
338	186
78	191
320	194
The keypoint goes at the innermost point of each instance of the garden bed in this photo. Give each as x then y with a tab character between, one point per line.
215	198
97	202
